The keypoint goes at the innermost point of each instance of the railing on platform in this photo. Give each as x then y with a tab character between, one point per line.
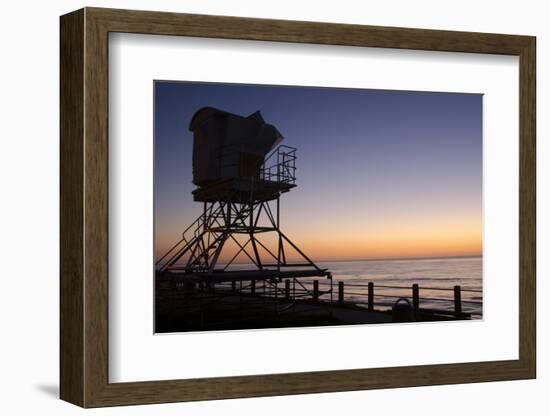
372	296
280	165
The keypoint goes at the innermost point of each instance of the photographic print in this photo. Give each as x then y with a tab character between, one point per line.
294	206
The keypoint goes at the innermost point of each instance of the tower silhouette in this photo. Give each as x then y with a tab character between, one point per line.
240	170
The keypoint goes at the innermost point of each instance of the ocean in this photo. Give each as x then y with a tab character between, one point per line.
430	274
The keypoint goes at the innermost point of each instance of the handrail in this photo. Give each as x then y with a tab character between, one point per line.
284	146
408	287
360	285
284	165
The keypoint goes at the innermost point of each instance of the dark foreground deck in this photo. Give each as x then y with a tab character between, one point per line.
246	305
253	312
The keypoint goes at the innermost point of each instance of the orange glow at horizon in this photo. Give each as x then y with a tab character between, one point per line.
400	240
397	240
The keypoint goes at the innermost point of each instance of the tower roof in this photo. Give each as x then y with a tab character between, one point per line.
205	113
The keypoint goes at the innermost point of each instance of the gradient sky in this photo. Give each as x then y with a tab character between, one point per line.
380	174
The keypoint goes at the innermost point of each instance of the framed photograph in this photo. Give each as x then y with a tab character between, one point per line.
256	207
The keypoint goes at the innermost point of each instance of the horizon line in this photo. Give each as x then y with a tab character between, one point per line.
469	256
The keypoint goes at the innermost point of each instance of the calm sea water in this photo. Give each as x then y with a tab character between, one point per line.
430	274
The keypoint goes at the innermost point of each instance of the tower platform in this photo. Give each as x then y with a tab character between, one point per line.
241	190
220	276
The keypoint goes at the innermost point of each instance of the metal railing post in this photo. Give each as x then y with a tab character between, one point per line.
416	297
458	301
370	296
315	290
340	292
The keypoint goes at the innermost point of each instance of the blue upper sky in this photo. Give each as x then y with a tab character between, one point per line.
379	173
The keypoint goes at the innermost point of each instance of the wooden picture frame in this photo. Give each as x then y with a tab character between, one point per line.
84	207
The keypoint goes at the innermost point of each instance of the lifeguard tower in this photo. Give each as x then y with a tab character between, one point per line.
240	170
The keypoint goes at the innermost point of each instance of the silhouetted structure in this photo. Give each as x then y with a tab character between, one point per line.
240	175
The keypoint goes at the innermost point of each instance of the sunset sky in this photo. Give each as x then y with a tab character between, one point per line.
380	174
